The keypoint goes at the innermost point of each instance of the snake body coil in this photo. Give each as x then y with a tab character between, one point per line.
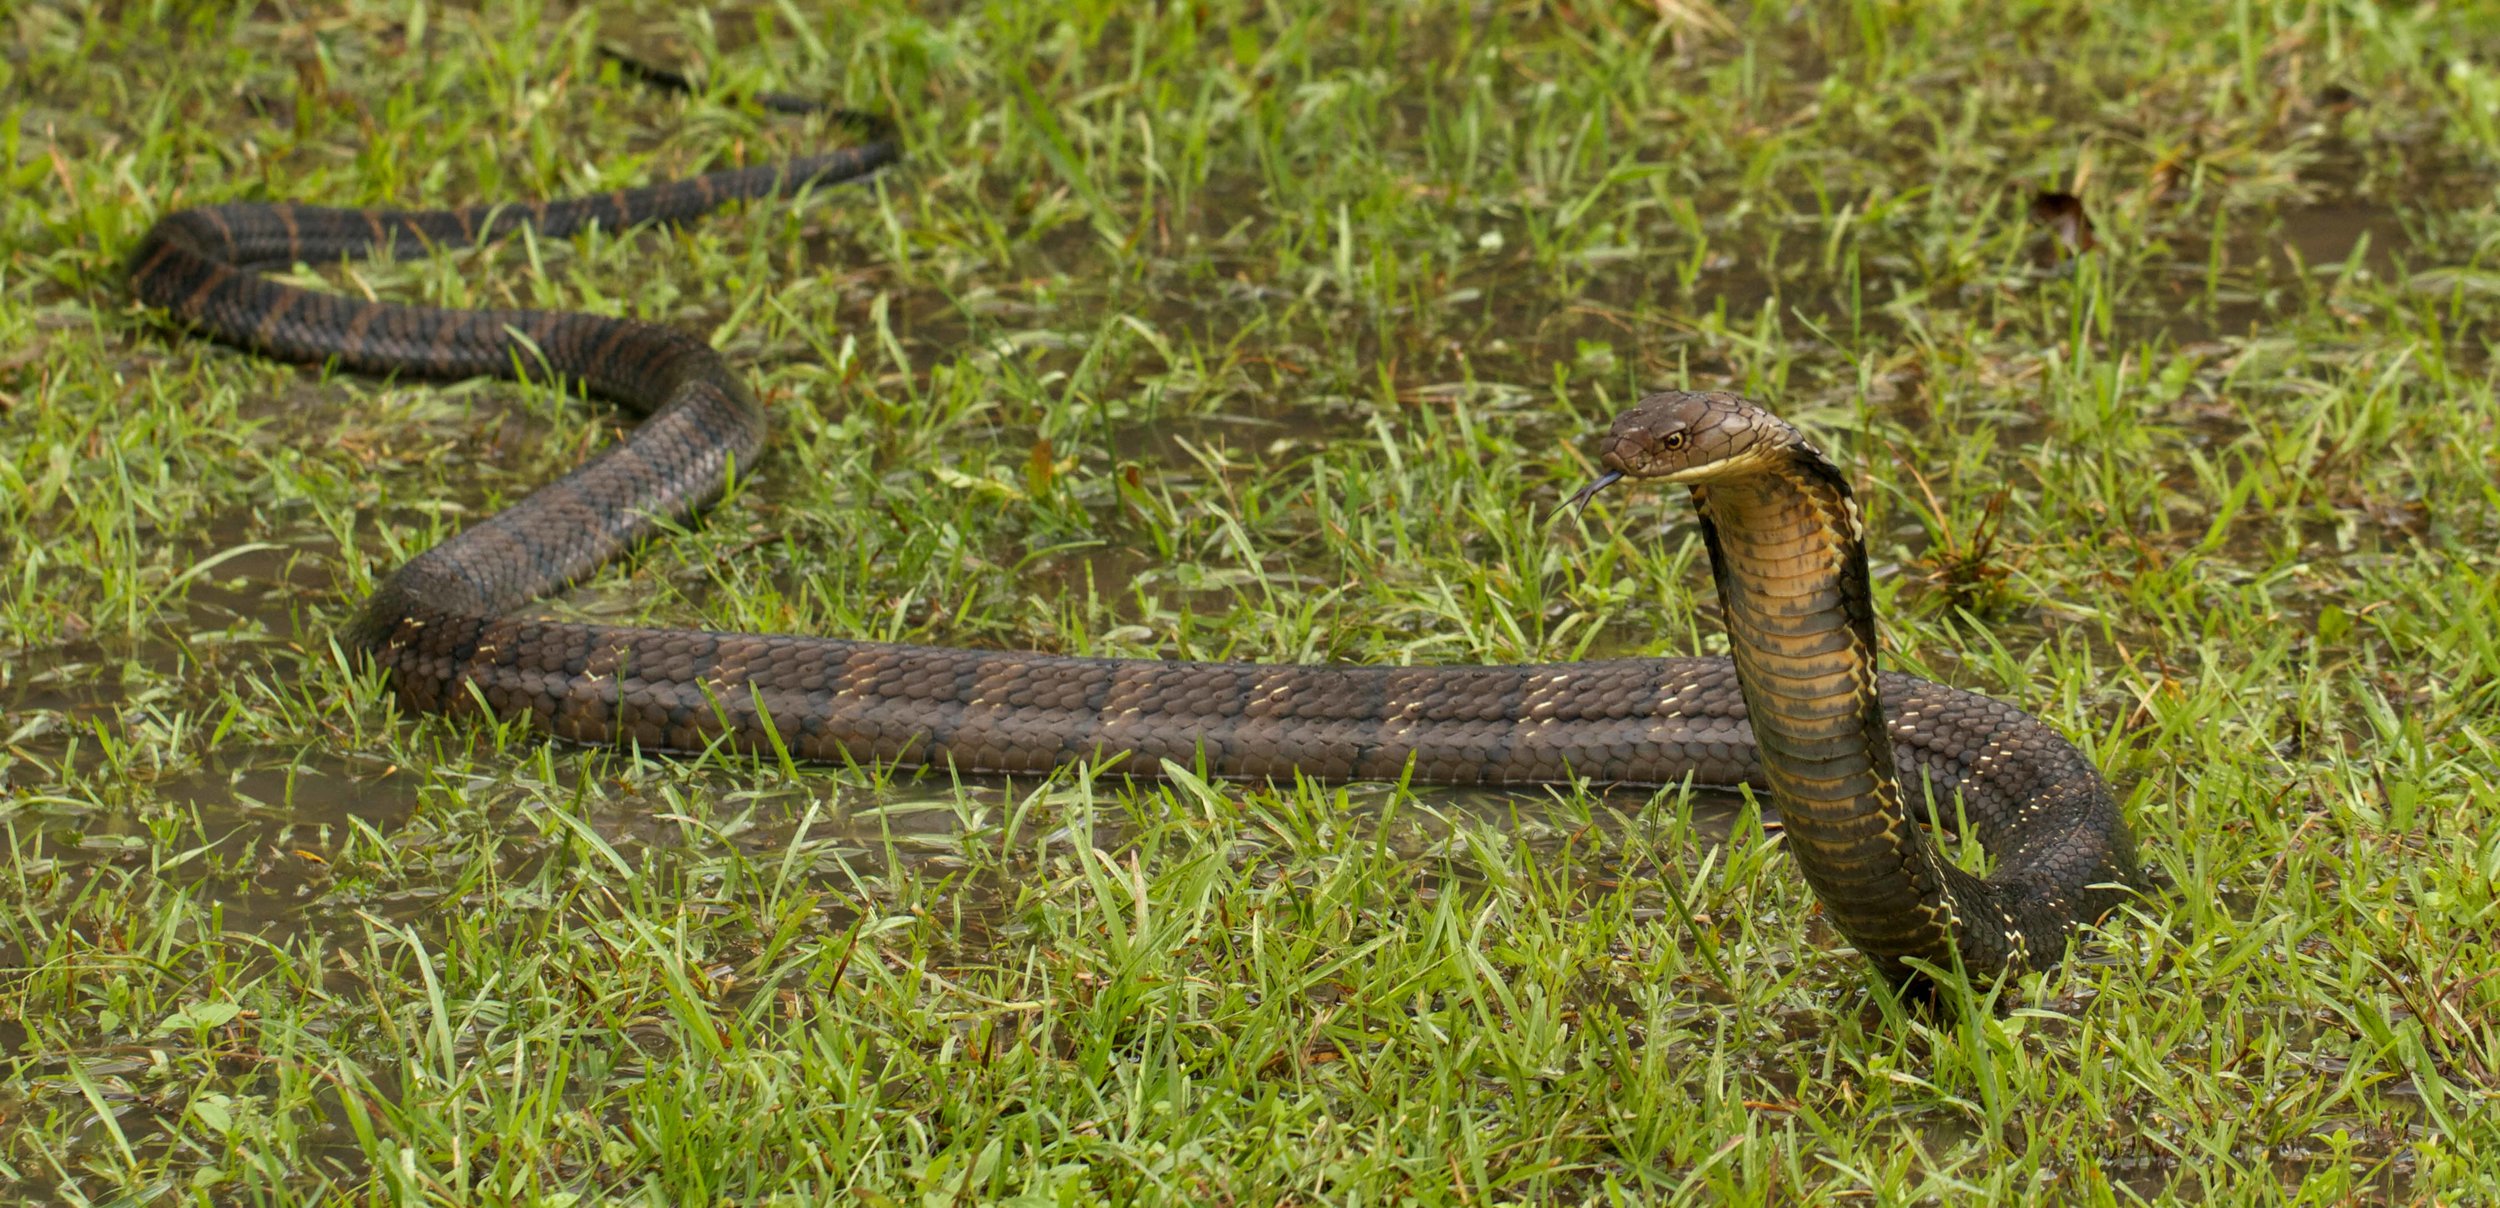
1801	712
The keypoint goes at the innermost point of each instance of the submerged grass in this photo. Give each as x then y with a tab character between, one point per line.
1243	331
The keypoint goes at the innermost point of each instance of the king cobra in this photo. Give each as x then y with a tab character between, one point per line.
1799	712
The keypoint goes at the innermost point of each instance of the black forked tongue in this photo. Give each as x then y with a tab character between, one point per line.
1589	492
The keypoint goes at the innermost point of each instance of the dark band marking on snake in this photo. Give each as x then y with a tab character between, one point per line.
1800	712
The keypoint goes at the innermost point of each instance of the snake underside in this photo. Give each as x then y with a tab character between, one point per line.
444	627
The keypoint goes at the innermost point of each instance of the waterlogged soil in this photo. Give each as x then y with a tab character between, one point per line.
272	832
275	585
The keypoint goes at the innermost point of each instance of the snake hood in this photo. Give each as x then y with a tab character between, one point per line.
1788	554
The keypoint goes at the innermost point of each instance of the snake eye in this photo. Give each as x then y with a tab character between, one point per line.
1675	442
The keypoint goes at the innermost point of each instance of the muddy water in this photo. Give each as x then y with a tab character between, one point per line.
2261	271
276	816
270	826
263	827
269	808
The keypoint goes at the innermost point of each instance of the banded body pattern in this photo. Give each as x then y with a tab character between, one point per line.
444	629
1838	741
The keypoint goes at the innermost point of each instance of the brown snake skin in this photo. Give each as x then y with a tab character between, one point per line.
1783	542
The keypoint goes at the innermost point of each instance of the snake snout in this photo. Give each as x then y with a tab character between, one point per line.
1620	455
1638	445
1629	450
1649	447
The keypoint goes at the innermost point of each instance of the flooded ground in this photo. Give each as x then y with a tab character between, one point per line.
1277	345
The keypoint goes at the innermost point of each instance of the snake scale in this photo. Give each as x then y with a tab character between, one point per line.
1800	712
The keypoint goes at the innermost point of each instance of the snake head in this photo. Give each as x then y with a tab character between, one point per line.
1688	437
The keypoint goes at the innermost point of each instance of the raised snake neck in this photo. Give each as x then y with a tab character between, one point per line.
442	627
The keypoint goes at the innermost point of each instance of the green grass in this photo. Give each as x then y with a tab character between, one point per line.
1266	332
